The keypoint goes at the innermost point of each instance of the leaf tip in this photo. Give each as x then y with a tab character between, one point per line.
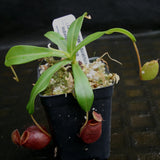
30	109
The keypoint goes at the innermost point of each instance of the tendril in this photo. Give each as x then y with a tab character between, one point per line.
36	123
49	46
16	77
88	17
85	122
138	57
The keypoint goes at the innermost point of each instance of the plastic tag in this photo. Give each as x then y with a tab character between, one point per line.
61	25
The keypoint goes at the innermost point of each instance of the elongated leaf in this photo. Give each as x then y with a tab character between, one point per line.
87	40
43	82
96	35
57	39
122	31
23	53
83	91
73	33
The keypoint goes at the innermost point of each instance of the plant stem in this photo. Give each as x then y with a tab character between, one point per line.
138	57
74	59
16	77
36	123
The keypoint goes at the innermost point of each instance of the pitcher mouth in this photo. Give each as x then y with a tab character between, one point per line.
92	122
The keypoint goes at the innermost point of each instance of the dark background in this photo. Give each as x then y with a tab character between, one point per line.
136	104
20	17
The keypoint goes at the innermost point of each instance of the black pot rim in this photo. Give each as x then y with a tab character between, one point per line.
91	60
71	93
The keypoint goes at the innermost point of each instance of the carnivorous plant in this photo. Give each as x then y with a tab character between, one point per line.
83	92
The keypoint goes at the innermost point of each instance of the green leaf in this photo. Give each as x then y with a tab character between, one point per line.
73	33
57	39
23	53
96	35
43	82
86	41
123	31
83	91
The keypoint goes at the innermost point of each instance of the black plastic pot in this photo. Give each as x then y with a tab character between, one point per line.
66	118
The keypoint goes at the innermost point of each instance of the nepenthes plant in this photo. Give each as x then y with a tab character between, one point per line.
82	89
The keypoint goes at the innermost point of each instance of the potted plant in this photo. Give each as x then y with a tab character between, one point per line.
76	97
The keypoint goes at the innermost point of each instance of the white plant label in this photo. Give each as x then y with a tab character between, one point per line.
61	25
